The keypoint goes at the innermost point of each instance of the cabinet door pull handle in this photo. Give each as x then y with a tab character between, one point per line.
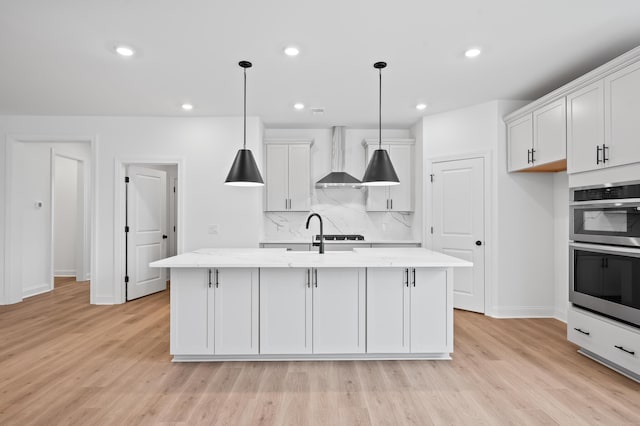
624	350
315	276
582	331
406	276
598	154
414	276
217	277
387	204
533	155
308	278
392	204
209	278
528	156
605	148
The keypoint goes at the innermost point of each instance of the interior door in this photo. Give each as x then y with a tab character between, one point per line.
458	225
146	210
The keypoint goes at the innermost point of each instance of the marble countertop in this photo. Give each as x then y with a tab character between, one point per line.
280	258
308	241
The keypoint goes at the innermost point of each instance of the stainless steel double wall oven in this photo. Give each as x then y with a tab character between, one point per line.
604	273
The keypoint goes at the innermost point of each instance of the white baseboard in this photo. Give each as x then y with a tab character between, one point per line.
103	300
523	312
64	273
560	315
42	288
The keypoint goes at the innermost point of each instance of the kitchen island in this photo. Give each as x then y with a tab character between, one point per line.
272	304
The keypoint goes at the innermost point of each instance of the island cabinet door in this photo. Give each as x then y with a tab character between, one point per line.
430	324
387	310
338	310
285	311
236	311
192	301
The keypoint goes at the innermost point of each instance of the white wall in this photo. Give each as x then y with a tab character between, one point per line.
65	212
206	146
343	209
561	243
519	240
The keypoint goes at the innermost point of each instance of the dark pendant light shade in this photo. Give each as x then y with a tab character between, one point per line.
380	171
244	170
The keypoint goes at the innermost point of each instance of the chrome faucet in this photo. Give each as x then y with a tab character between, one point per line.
321	244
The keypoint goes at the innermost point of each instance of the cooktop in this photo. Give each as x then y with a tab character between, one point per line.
341	237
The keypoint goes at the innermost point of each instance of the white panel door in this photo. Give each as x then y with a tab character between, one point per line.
277	180
192	302
285	311
236	311
377	196
147	207
520	140
387	310
401	196
458	225
338	310
428	310
622	112
550	133
299	177
585	128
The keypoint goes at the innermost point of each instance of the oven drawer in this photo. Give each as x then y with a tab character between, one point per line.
613	341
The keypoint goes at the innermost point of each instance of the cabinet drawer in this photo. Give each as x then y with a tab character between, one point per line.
623	347
585	331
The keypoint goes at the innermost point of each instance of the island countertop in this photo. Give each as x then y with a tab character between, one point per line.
280	258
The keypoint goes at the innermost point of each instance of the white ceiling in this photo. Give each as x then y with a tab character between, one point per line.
56	57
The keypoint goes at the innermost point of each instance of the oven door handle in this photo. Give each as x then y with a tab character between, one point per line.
606	249
620	202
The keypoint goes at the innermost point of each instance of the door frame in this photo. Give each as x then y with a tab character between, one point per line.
81	273
490	236
11	289
120	219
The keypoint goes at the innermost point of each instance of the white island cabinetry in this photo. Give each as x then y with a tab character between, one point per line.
271	304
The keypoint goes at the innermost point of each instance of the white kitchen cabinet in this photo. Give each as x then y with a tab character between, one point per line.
288	176
339	310
192	302
236	311
622	112
538	140
520	142
396	197
388	310
214	311
430	322
285	311
409	310
585	128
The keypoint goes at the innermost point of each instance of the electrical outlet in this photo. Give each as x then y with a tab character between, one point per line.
213	229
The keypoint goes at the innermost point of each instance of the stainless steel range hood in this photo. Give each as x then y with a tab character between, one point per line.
338	178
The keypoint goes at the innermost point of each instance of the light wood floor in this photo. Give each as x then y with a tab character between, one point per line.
63	361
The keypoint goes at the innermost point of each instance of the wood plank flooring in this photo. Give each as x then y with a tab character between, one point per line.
63	361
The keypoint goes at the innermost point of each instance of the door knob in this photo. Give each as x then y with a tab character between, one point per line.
164	237
478	243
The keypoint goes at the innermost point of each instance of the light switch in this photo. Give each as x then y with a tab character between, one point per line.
213	229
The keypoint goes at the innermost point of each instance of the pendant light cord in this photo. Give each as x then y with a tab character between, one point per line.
245	109
380	110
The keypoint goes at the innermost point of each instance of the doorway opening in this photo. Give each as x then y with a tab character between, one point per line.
150	226
71	252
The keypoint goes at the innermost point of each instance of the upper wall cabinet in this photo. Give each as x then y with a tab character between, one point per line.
288	176
600	123
537	141
397	197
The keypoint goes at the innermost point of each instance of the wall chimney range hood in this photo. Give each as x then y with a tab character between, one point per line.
338	178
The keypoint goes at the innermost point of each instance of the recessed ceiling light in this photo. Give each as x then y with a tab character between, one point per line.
291	51
420	107
187	107
125	51
472	53
299	106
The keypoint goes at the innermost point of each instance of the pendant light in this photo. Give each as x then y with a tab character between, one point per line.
244	170
380	171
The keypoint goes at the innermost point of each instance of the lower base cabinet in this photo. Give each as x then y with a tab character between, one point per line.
214	311
409	310
221	313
